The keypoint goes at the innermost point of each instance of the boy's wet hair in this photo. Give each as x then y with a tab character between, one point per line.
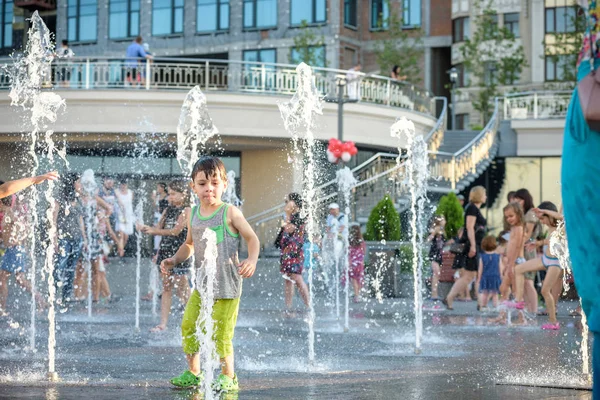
211	166
488	243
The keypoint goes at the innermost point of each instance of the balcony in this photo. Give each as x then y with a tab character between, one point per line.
33	5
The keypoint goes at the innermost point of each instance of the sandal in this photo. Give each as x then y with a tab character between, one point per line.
187	380
551	327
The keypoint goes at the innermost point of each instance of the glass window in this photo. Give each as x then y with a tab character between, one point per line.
380	14
6	20
82	20
463	76
350	13
260	13
124	18
562	19
460	29
167	17
311	11
312	55
511	23
560	67
212	15
411	13
266	55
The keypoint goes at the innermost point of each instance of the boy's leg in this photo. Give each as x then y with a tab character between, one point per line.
225	315
190	343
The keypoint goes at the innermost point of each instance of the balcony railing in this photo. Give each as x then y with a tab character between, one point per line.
225	75
537	105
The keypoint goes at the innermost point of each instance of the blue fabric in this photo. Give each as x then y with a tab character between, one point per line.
14	260
581	196
69	251
134	51
490	277
309	253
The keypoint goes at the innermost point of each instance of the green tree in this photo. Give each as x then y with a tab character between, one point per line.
383	222
492	56
308	47
450	208
562	48
401	47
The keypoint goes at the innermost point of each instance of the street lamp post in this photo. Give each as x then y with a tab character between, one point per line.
340	100
453	73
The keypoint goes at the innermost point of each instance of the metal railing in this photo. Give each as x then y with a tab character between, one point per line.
537	105
456	170
227	75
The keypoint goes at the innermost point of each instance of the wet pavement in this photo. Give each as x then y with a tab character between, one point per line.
463	356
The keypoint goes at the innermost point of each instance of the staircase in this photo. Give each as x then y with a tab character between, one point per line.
457	158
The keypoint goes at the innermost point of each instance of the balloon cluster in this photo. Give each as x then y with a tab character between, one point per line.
339	150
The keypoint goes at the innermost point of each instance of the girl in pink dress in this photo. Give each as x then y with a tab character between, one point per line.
356	258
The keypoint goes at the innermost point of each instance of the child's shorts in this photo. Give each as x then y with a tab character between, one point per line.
14	260
225	313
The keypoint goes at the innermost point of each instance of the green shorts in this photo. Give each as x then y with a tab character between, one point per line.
225	313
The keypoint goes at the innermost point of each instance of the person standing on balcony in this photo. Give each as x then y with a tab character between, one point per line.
580	182
395	74
134	54
353	78
65	54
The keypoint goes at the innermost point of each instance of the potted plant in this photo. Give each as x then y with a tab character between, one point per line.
383	237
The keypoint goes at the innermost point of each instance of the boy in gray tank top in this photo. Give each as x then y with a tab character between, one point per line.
209	181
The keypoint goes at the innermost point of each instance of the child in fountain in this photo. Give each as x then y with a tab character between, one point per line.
209	181
16	227
490	273
356	258
172	226
436	237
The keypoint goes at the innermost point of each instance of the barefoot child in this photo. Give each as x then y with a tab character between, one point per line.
490	272
436	237
356	254
172	227
549	216
209	181
16	227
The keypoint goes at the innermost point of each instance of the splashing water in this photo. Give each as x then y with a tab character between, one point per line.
195	128
298	119
27	75
559	247
346	182
230	196
88	182
205	284
417	174
139	215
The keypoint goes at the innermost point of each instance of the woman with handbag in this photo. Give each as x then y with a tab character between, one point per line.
475	229
581	178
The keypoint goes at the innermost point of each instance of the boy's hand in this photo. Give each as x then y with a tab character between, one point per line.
246	268
166	265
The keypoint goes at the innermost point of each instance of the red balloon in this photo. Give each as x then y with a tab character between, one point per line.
346	147
337	152
354	150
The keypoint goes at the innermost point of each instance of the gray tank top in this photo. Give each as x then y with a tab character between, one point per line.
228	282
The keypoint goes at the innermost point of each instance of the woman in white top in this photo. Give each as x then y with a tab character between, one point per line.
125	219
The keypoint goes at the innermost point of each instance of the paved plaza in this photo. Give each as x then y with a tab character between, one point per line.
463	355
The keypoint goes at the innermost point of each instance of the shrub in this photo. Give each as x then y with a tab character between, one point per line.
452	211
384	222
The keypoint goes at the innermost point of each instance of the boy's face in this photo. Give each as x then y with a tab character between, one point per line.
208	189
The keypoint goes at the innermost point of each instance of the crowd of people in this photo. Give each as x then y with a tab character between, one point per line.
505	267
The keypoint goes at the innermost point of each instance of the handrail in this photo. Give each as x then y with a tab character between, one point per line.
484	131
537	105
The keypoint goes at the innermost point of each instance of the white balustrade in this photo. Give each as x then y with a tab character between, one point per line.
537	105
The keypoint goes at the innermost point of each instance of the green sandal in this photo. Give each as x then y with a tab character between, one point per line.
187	380
226	384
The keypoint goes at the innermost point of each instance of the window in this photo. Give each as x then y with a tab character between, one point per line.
562	19
311	11
560	67
380	14
167	17
253	73
260	13
6	20
212	15
124	19
491	74
312	55
411	13
350	13
463	76
266	55
511	23
460	29
82	20
462	121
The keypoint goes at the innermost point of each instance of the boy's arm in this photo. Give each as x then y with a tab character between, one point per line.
238	222
12	187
